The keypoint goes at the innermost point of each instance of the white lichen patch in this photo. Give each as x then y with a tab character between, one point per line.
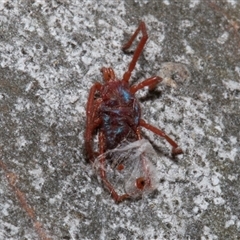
232	2
141	2
5	209
188	48
194	3
21	142
166	2
71	224
22	104
232	221
223	38
12	229
208	234
231	84
185	24
39	180
237	69
205	97
219	201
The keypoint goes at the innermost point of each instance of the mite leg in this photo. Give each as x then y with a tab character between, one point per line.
108	74
175	149
149	82
103	174
92	123
137	52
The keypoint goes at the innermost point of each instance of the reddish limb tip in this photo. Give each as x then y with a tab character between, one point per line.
120	167
176	151
137	52
149	82
108	74
140	183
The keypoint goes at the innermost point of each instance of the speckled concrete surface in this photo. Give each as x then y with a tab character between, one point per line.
50	56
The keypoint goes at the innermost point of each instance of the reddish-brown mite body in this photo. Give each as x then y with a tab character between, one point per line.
114	113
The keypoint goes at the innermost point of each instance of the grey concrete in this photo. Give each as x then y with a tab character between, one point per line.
50	56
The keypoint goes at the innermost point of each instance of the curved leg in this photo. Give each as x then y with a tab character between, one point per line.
149	82
103	175
137	52
175	150
92	123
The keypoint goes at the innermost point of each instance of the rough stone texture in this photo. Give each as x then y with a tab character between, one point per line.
50	56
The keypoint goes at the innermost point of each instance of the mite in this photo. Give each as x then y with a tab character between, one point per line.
114	116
